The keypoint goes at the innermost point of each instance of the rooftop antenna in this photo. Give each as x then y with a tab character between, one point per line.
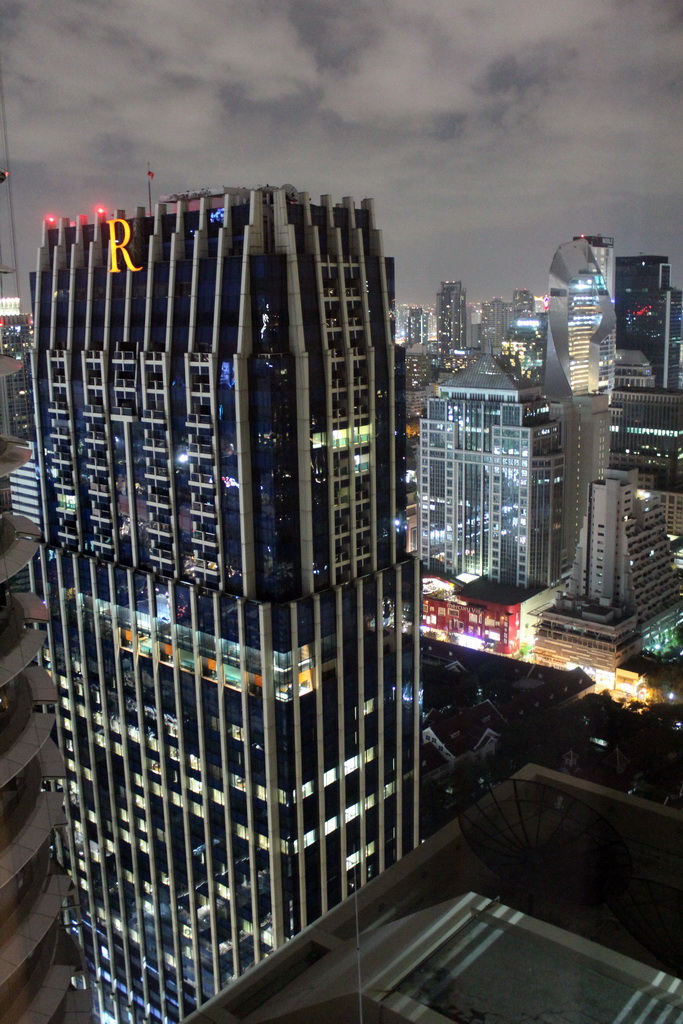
6	179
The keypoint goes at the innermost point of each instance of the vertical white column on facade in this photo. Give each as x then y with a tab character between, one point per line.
361	867
417	734
84	866
183	758
252	234
244	469
225	729
667	341
341	756
106	684
248	778
272	800
198	658
166	786
298	772
398	696
101	920
147	784
285	243
377	250
320	750
379	757
154	255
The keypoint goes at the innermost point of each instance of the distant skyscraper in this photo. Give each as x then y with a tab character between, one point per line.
234	621
647	435
495	320
523	303
418	326
523	349
603	251
490	479
451	320
16	407
580	317
648	311
632	370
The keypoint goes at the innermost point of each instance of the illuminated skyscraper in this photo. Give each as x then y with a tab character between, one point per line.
523	349
234	620
495	320
451	320
602	248
580	316
16	407
491	479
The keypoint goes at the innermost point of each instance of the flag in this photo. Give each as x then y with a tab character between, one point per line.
150	174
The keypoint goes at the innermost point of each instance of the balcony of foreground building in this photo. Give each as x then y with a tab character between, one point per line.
13	454
18	544
19	642
38	961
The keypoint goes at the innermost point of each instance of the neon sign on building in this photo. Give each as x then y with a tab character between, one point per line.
119	247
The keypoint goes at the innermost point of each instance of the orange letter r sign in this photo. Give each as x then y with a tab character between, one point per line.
119	247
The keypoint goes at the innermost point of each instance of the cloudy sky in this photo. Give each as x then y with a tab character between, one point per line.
488	131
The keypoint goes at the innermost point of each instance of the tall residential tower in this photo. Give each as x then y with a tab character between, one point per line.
234	620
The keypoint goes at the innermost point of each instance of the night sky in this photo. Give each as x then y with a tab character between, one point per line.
488	132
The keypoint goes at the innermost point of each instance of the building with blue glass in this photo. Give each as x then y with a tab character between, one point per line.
648	311
233	618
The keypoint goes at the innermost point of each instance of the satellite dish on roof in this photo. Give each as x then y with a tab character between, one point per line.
547	843
653	913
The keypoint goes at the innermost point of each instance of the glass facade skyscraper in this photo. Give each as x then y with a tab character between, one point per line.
648	311
491	479
234	620
580	319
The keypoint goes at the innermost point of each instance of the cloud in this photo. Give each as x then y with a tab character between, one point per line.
487	134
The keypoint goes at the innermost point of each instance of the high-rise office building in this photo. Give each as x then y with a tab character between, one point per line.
523	303
632	370
417	332
451	321
585	436
648	311
602	248
495	320
234	621
647	435
580	317
20	492
490	479
523	349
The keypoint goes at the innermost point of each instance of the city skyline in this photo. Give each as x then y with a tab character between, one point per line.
484	140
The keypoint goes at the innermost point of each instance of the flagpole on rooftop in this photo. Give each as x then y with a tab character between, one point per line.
150	175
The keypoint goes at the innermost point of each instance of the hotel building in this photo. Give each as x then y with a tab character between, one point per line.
233	618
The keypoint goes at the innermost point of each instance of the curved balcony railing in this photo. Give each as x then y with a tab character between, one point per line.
38	961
